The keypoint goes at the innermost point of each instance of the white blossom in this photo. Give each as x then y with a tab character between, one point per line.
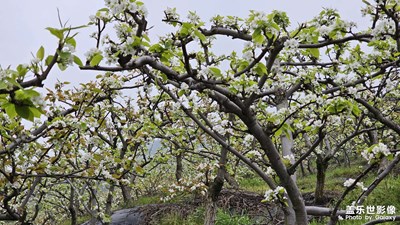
205	72
193	17
93	51
290	157
252	89
184	86
291	43
383	27
35	60
376	152
254	154
259	18
325	30
171	13
270	171
68	48
247	55
274	195
348	182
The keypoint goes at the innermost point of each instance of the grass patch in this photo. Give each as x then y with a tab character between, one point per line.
144	200
223	217
253	184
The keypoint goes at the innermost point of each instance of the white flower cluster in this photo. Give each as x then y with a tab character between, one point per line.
270	171
35	61
253	88
112	82
184	185
92	52
291	43
171	14
124	30
248	56
352	91
376	152
193	18
254	154
59	124
290	158
205	73
4	74
383	28
100	15
38	101
68	48
326	25
119	6
248	140
260	17
245	84
275	195
351	181
222	127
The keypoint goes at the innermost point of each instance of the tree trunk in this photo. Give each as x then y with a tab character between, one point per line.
109	200
287	137
179	168
293	215
212	197
322	166
231	180
303	173
215	189
71	207
126	194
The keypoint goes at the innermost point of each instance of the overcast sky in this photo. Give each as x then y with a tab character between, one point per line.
23	22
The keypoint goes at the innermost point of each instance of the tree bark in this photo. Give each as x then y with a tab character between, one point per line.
322	166
71	207
179	168
231	180
287	137
109	200
296	214
126	194
215	189
212	198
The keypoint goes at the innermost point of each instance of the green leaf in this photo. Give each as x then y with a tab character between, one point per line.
96	60
104	9
24	112
62	66
200	35
40	53
36	112
357	111
10	109
22	70
49	59
257	36
216	71
186	29
73	28
77	61
260	69
71	41
164	77
139	170
56	32
314	52
181	92
156	48
278	132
